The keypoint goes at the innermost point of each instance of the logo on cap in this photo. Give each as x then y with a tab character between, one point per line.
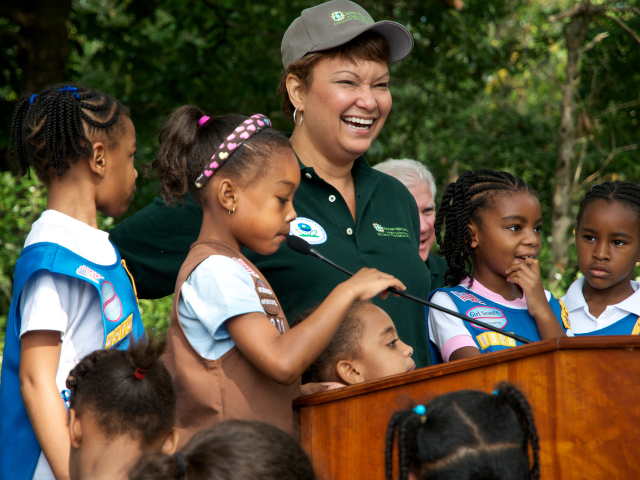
337	16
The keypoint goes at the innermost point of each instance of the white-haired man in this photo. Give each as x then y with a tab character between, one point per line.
419	181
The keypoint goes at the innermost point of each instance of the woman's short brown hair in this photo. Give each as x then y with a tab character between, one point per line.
368	46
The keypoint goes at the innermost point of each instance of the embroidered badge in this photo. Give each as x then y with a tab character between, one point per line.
244	265
270	305
564	315
111	305
488	339
262	288
468	297
491	315
396	232
309	230
636	328
337	16
119	332
86	272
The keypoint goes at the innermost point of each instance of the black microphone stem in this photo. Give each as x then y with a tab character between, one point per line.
520	339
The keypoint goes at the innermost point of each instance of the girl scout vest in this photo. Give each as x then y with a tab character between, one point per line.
629	325
210	391
512	320
121	321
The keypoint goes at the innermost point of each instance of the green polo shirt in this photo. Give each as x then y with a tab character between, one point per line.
385	235
437	268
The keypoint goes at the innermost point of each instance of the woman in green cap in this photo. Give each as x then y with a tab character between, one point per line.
336	91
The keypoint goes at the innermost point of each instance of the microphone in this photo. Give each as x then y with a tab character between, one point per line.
301	246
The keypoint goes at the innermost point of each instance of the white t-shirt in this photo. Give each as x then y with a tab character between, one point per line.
51	301
581	319
217	290
449	333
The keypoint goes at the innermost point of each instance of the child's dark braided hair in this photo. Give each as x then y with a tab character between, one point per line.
463	200
52	129
466	435
624	192
127	391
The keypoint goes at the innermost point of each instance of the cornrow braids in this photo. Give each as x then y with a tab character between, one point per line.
464	433
127	392
624	192
463	200
52	130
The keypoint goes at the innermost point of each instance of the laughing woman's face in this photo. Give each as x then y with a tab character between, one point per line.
346	106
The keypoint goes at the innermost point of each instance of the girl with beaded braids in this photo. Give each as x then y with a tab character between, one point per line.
492	238
605	300
465	435
71	293
122	405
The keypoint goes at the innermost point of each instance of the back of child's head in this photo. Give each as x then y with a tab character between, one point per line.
127	392
345	345
626	193
187	143
55	129
231	450
466	435
465	200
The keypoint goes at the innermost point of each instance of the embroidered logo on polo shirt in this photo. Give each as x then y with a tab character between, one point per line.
86	272
307	229
468	297
395	232
490	315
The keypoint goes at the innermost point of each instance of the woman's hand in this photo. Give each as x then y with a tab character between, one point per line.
526	274
368	282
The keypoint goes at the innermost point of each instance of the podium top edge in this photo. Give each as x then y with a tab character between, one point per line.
587	342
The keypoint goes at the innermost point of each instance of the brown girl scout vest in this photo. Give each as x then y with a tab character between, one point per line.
210	391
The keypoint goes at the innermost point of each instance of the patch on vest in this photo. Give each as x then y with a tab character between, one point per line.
119	332
467	297
262	288
270	305
111	304
636	328
86	272
488	339
491	315
564	315
244	265
279	324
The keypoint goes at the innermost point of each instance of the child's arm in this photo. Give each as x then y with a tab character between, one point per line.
284	357
39	358
527	275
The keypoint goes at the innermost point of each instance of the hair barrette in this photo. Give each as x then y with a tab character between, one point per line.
69	88
203	119
421	410
33	97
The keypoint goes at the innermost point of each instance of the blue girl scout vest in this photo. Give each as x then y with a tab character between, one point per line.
629	325
512	320
121	321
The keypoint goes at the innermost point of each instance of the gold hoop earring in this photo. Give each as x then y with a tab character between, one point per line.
231	212
294	117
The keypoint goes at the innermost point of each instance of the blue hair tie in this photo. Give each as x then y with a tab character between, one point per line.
33	97
69	88
495	392
421	410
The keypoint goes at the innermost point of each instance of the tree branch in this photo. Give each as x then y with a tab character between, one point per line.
625	9
583	153
623	25
632	103
606	163
16	15
597	39
577	9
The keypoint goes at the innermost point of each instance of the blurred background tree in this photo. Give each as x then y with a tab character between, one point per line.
483	88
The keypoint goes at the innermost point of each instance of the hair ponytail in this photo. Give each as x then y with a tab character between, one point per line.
406	423
177	137
160	466
520	406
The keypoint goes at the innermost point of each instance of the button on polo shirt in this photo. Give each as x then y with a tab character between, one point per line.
385	235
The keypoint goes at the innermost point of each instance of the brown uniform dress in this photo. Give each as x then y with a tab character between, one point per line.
210	391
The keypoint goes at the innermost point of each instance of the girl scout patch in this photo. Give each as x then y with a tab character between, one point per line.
309	230
490	315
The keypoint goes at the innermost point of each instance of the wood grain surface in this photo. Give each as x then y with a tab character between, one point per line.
585	395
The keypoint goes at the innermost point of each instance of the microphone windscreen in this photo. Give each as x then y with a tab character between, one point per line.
298	244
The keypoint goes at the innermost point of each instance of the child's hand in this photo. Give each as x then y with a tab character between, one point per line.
368	282
526	274
311	388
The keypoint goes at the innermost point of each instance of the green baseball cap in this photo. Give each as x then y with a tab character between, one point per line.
335	23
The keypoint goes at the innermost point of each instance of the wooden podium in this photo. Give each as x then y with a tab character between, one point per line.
584	391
